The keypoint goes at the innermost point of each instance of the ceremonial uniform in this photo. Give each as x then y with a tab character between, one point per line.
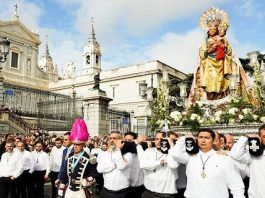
209	175
77	170
78	173
240	153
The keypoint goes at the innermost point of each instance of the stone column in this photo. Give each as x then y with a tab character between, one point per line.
95	112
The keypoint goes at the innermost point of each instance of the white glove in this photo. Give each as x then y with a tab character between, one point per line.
61	189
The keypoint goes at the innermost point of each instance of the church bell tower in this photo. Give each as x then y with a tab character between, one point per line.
92	54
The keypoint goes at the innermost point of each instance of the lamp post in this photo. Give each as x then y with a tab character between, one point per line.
181	100
4	50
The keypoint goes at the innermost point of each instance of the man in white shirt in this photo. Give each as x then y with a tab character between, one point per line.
56	156
25	180
240	153
41	169
115	168
209	175
136	180
10	170
160	171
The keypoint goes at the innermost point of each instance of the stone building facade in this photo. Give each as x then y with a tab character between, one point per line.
30	84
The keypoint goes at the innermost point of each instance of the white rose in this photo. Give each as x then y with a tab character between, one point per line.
255	117
233	111
218	113
241	117
262	119
246	110
217	118
193	116
231	120
199	103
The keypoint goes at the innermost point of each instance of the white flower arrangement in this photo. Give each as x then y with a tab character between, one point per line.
176	115
195	115
233	110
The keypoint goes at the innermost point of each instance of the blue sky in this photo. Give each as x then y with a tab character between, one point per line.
136	31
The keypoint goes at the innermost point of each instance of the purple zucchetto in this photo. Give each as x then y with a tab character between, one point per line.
79	133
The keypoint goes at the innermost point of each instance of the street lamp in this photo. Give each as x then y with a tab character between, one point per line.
4	49
181	100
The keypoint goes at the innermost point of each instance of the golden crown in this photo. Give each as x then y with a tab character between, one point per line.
214	17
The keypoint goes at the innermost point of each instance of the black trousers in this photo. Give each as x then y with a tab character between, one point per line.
105	193
136	192
149	194
181	192
7	187
25	185
53	176
38	183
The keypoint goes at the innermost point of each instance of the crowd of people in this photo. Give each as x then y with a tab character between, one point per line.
207	165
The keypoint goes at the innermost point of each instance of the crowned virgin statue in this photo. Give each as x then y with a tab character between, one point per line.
219	71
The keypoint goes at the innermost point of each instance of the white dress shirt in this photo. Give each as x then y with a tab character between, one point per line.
219	170
256	164
56	157
41	161
115	169
136	174
157	178
27	160
11	165
96	151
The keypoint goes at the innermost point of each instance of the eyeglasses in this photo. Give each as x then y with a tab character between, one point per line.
114	138
158	139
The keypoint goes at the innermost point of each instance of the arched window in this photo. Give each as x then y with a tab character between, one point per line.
88	59
97	59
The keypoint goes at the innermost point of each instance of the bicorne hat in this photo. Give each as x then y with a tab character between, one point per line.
79	133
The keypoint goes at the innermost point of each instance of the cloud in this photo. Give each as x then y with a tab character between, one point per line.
179	51
249	8
122	27
30	18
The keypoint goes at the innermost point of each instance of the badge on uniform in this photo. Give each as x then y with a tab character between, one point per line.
255	147
164	146
191	146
